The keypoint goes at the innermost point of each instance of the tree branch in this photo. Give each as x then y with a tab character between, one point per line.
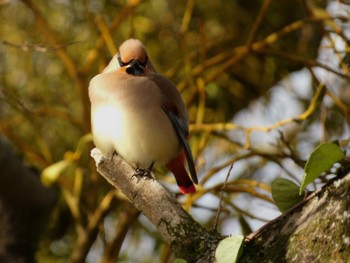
186	237
52	37
315	230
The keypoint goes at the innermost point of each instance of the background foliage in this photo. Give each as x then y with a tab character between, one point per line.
248	71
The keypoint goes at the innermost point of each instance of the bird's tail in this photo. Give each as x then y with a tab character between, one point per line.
177	167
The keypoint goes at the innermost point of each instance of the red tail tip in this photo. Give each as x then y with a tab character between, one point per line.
187	189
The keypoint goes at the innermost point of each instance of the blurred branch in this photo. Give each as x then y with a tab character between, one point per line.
224	60
187	16
115	24
211	127
245	186
257	23
186	237
101	24
14	100
224	165
244	212
315	101
125	219
304	61
202	100
87	235
222	196
37	47
53	39
74	208
242	51
31	153
340	104
68	61
59	113
339	56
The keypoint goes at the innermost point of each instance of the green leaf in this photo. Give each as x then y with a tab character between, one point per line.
229	249
321	159
179	260
285	193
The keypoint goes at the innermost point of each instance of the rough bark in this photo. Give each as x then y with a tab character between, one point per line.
187	239
316	230
24	206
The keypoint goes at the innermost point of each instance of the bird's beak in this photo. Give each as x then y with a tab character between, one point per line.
135	68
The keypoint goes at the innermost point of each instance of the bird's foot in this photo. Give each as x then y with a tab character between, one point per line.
141	173
114	154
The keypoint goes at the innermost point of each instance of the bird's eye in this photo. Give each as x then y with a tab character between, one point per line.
121	63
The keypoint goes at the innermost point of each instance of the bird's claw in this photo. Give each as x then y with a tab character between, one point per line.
112	155
141	173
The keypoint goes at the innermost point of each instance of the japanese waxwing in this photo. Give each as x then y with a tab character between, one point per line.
140	114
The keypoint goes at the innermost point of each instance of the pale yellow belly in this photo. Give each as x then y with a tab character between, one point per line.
141	136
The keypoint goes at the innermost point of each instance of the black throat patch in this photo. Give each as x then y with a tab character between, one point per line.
135	69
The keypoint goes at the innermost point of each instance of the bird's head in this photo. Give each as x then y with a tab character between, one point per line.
133	56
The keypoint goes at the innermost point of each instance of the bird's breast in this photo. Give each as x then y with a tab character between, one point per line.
129	119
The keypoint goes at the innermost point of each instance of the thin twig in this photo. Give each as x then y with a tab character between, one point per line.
258	21
100	43
38	47
301	59
68	61
187	16
87	236
218	168
227	59
313	106
105	33
125	219
222	197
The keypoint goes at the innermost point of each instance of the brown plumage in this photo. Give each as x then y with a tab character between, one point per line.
140	114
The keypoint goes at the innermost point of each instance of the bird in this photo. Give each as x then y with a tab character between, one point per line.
140	115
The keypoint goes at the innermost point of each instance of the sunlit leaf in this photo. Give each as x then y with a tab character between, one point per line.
51	173
321	159
229	249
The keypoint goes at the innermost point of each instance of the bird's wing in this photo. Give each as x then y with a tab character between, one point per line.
176	111
182	134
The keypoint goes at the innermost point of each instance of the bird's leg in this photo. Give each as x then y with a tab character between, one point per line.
114	153
150	168
140	172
